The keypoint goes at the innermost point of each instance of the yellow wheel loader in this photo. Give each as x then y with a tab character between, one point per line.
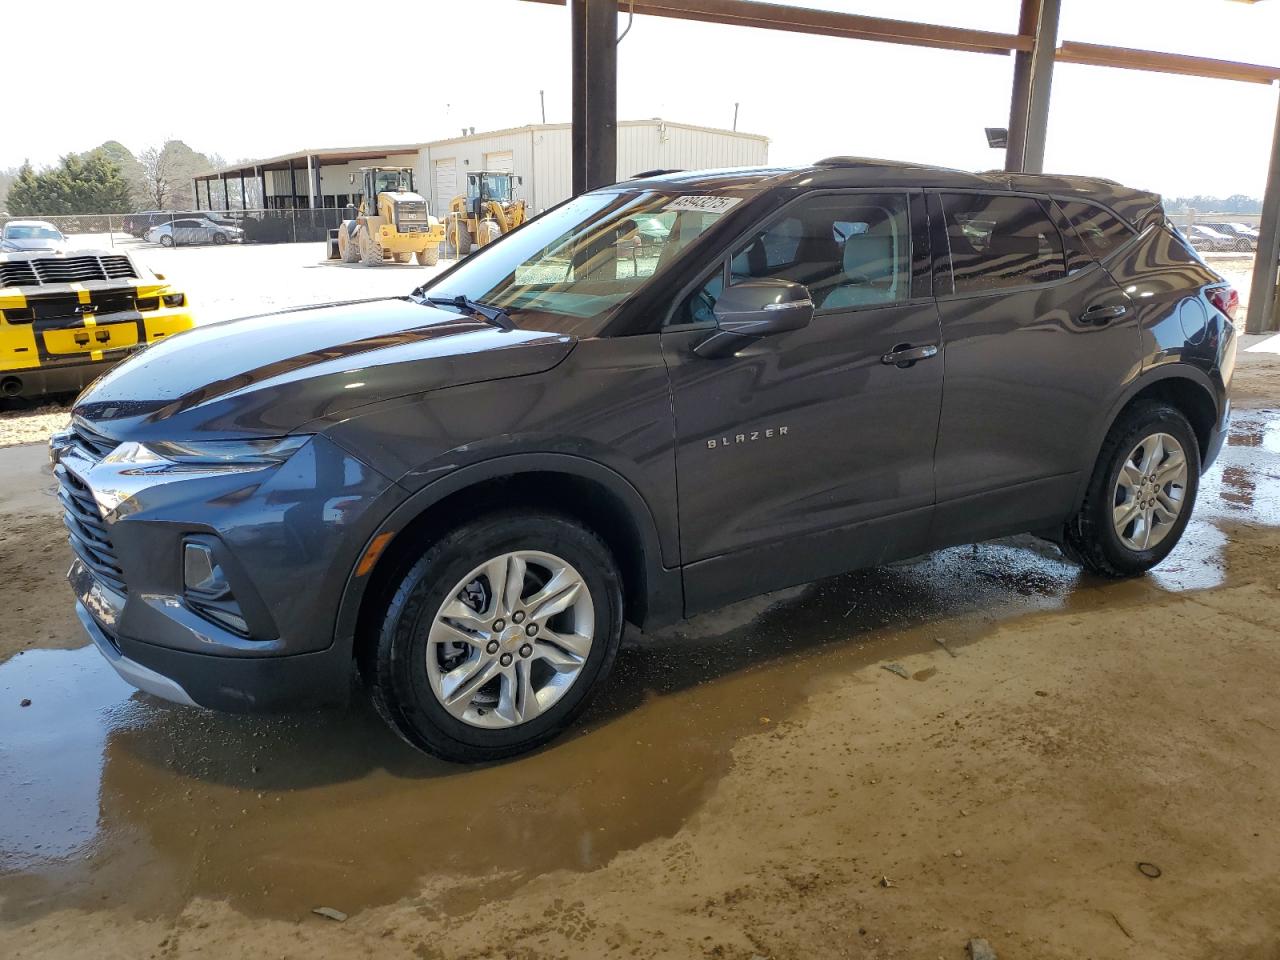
488	210
392	222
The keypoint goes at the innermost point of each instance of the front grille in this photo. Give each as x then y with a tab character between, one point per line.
75	269
93	445
89	537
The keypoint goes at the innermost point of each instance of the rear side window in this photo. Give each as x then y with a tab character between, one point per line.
1101	231
998	242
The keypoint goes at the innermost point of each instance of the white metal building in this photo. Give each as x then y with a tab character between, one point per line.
540	153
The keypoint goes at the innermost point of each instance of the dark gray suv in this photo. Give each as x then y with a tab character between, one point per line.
649	401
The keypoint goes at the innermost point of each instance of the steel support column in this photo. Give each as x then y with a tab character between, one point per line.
595	93
1263	315
1020	100
1039	86
244	194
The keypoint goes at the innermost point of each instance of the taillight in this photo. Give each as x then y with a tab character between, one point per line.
1226	299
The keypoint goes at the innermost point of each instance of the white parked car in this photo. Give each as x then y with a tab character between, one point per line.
32	236
1206	238
188	230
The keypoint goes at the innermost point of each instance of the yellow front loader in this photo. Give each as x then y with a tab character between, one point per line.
487	211
392	223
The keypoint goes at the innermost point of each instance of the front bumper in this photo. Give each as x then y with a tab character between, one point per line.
287	537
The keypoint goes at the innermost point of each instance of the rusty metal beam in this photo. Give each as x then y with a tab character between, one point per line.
827	23
1125	58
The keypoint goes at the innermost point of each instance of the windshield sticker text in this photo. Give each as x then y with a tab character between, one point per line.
703	204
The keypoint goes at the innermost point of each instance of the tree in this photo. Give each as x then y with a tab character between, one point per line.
131	169
168	172
6	181
158	179
82	183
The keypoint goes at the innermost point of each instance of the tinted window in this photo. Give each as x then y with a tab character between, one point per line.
1100	231
999	242
851	251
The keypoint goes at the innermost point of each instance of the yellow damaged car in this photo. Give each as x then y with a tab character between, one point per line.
67	318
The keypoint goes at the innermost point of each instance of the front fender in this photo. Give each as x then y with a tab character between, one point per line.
664	599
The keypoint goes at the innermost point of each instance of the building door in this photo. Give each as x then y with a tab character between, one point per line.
500	162
446	184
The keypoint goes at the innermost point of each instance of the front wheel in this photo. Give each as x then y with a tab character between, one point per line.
1243	245
493	641
219	239
430	256
166	241
1141	494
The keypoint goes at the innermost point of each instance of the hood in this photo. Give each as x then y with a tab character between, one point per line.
33	244
269	375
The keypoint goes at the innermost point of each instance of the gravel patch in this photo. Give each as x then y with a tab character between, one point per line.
26	423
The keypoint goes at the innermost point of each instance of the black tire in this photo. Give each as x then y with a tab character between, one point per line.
1244	246
219	239
166	240
394	663
1090	537
371	254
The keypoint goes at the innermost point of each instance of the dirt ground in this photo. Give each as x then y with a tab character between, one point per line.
979	743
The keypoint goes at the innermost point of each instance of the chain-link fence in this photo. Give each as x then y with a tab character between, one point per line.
178	227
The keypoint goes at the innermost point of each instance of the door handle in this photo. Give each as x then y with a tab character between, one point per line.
904	355
1101	313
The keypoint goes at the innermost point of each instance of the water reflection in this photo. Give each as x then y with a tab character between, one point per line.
109	797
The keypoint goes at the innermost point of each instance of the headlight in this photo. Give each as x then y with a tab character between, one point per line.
208	453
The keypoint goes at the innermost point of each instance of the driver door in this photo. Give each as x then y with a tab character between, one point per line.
806	454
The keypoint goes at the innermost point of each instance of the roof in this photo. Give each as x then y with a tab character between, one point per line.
333	155
1131	204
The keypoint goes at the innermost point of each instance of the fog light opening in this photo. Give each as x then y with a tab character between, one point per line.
206	589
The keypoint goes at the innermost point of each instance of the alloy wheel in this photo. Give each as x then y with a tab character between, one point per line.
1150	492
510	639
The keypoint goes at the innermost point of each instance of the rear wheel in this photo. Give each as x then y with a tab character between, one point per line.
1141	494
430	256
494	639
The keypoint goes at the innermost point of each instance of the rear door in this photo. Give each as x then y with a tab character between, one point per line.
1038	337
806	454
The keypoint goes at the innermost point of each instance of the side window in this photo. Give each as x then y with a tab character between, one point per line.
999	242
849	250
1101	231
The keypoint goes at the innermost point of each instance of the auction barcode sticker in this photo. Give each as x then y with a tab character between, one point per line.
704	204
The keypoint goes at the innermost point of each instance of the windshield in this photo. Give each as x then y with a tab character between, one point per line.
496	186
568	270
20	232
391	181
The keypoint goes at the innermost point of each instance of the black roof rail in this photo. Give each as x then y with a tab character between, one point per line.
644	174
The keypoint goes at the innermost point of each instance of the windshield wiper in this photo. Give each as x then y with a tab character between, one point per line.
495	315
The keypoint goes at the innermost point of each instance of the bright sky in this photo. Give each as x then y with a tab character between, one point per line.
256	79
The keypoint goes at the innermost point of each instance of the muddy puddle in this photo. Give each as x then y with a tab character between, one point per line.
110	799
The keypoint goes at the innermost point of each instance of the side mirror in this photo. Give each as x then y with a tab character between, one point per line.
756	308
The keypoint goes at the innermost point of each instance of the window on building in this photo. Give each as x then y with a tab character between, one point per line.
998	242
